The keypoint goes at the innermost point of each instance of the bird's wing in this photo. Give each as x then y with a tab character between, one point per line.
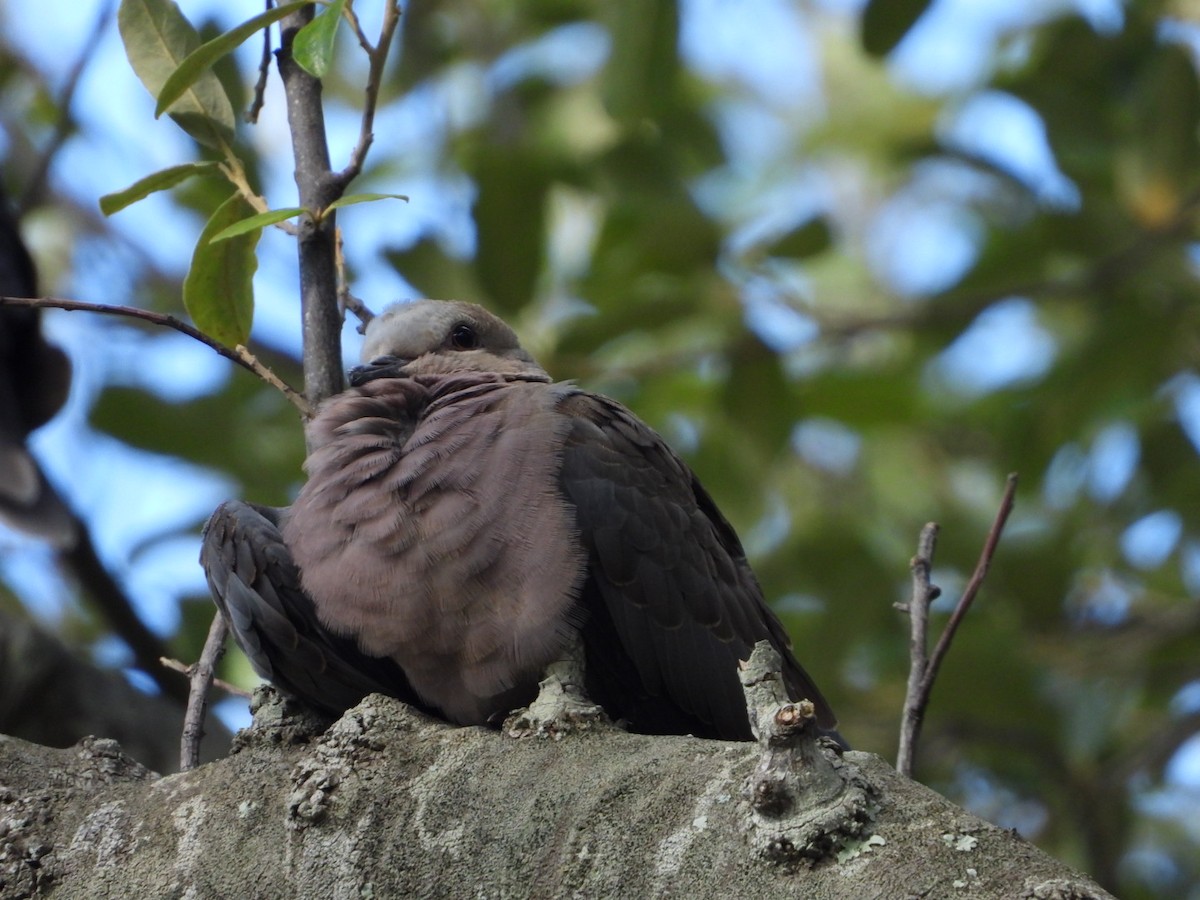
673	603
256	585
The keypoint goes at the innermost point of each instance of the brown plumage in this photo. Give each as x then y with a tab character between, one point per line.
465	518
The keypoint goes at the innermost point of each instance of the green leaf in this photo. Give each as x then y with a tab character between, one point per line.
313	46
510	217
260	221
158	38
351	199
159	181
807	240
218	292
1159	160
886	22
200	60
645	39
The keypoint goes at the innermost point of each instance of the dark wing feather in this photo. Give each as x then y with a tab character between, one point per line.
673	605
256	585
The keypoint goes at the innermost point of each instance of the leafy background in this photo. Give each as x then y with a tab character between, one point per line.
856	261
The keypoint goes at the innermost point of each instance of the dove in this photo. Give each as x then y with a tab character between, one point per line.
466	521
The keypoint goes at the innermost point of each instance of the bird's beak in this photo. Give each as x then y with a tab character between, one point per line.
380	367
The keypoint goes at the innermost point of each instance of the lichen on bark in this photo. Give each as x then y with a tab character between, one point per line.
388	802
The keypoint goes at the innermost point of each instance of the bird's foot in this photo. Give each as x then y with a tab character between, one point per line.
280	720
560	708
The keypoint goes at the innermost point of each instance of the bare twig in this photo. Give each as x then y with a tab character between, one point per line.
377	57
201	681
923	672
231	168
264	70
347	302
356	27
221	684
360	310
924	592
246	361
976	582
251	361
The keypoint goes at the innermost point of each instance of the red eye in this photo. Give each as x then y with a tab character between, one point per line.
463	337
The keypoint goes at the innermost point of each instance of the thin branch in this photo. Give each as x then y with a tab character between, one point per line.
356	27
63	126
347	302
923	672
264	71
377	57
976	582
201	681
219	683
251	362
361	311
231	168
924	592
163	320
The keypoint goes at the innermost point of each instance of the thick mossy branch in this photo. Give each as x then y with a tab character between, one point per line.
390	803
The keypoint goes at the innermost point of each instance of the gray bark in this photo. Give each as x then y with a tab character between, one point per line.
388	803
317	187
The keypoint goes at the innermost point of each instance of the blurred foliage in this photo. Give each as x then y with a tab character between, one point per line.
829	408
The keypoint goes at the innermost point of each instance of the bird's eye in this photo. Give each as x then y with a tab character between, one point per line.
463	337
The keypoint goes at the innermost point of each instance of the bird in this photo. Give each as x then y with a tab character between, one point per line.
466	520
35	377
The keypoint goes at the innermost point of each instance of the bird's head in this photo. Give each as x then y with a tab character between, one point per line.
440	337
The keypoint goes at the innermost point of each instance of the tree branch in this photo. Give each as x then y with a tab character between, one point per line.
976	582
219	683
923	672
377	56
470	811
355	305
924	592
264	69
317	188
200	682
239	355
347	302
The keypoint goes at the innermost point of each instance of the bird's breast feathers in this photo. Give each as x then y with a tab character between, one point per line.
432	530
